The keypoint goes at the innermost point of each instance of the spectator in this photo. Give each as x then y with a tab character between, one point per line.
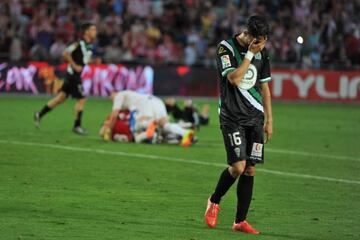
190	54
113	53
38	52
157	31
15	49
167	50
57	49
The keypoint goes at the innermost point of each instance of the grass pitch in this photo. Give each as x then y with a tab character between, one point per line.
57	185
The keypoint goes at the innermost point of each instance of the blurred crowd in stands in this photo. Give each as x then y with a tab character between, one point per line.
305	33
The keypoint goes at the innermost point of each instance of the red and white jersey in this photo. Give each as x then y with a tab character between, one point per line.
121	129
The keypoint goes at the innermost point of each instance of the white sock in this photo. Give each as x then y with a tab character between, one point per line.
174	128
143	124
140	137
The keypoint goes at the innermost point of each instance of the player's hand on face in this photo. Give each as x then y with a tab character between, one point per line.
256	45
268	129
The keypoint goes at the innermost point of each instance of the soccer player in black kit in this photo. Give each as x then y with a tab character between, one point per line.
245	116
77	55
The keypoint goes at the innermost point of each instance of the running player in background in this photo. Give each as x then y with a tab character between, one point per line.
245	114
77	56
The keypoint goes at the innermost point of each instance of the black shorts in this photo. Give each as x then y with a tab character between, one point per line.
244	143
73	86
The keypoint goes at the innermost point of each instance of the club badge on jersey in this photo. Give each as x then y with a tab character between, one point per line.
249	79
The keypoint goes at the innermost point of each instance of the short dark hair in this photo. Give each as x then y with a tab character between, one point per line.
257	26
85	26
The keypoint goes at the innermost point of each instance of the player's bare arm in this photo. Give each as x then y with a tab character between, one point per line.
105	130
237	75
113	117
118	104
268	127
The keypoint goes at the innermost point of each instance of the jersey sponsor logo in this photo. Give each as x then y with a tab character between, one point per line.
221	50
121	138
257	150
249	79
225	61
258	56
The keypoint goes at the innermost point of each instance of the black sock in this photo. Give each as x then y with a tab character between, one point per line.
244	195
44	110
77	122
225	182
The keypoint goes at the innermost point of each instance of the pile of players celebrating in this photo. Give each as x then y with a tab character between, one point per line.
144	118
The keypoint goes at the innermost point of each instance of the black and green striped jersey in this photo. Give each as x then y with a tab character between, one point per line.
239	105
81	52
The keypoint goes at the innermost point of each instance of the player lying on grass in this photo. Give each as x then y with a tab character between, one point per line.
124	131
245	114
189	116
149	113
77	55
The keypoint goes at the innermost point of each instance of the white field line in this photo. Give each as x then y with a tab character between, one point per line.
280	151
271	150
310	154
172	159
